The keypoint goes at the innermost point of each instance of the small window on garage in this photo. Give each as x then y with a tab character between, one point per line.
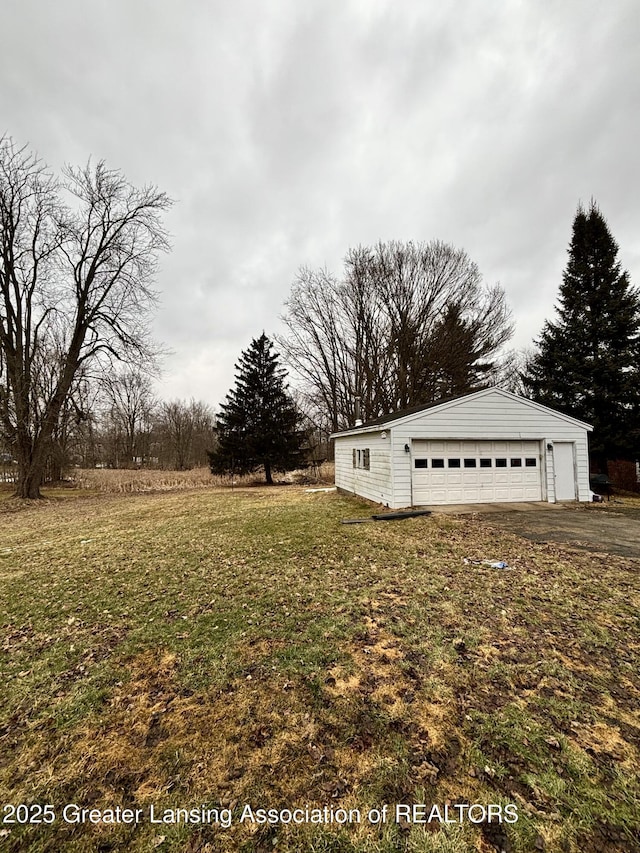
516	463
501	463
437	463
453	463
469	463
420	463
362	459
531	462
485	463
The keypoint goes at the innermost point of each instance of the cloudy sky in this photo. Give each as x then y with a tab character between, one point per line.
289	131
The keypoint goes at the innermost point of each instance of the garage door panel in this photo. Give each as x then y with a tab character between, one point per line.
471	483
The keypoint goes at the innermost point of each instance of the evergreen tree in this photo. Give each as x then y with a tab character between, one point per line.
259	423
588	360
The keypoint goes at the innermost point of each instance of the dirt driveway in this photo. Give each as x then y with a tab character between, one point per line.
607	528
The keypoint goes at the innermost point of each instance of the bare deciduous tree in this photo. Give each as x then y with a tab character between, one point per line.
186	433
77	261
408	324
130	404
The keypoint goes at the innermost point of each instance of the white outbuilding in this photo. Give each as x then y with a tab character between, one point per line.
487	447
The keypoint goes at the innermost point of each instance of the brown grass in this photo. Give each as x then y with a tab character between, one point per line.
122	481
246	647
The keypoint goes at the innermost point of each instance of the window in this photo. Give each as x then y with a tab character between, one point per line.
420	463
453	463
501	463
531	462
362	459
437	463
485	463
516	463
469	463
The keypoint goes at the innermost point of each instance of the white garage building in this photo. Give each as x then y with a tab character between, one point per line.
490	446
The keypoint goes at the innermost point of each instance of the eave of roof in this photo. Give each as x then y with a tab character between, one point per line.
396	417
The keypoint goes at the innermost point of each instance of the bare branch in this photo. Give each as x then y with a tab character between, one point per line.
77	264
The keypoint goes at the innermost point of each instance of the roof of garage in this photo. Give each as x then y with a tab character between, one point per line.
415	411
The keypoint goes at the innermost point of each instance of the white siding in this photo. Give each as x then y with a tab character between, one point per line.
581	463
490	416
374	484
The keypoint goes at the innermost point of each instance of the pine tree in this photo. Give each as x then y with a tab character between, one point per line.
259	423
588	360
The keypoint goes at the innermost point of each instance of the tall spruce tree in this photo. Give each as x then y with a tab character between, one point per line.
588	360
259	424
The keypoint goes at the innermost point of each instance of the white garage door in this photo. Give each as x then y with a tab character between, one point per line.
451	472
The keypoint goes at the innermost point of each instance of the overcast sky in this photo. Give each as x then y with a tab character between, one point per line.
289	131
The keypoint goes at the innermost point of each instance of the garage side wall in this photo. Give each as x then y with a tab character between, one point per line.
374	483
490	417
581	464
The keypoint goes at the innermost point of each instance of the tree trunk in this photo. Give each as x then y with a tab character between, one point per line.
32	458
267	473
29	481
55	469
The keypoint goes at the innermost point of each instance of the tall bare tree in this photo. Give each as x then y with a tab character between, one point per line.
77	261
74	422
408	324
130	404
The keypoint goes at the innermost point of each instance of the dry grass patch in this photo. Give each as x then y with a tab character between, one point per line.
219	648
124	481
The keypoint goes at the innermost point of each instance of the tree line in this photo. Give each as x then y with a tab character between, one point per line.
119	423
405	324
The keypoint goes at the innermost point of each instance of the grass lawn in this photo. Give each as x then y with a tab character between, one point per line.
216	649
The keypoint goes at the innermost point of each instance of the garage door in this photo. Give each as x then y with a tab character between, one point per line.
450	472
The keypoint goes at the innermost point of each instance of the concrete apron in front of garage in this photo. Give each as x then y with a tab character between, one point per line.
524	506
598	528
